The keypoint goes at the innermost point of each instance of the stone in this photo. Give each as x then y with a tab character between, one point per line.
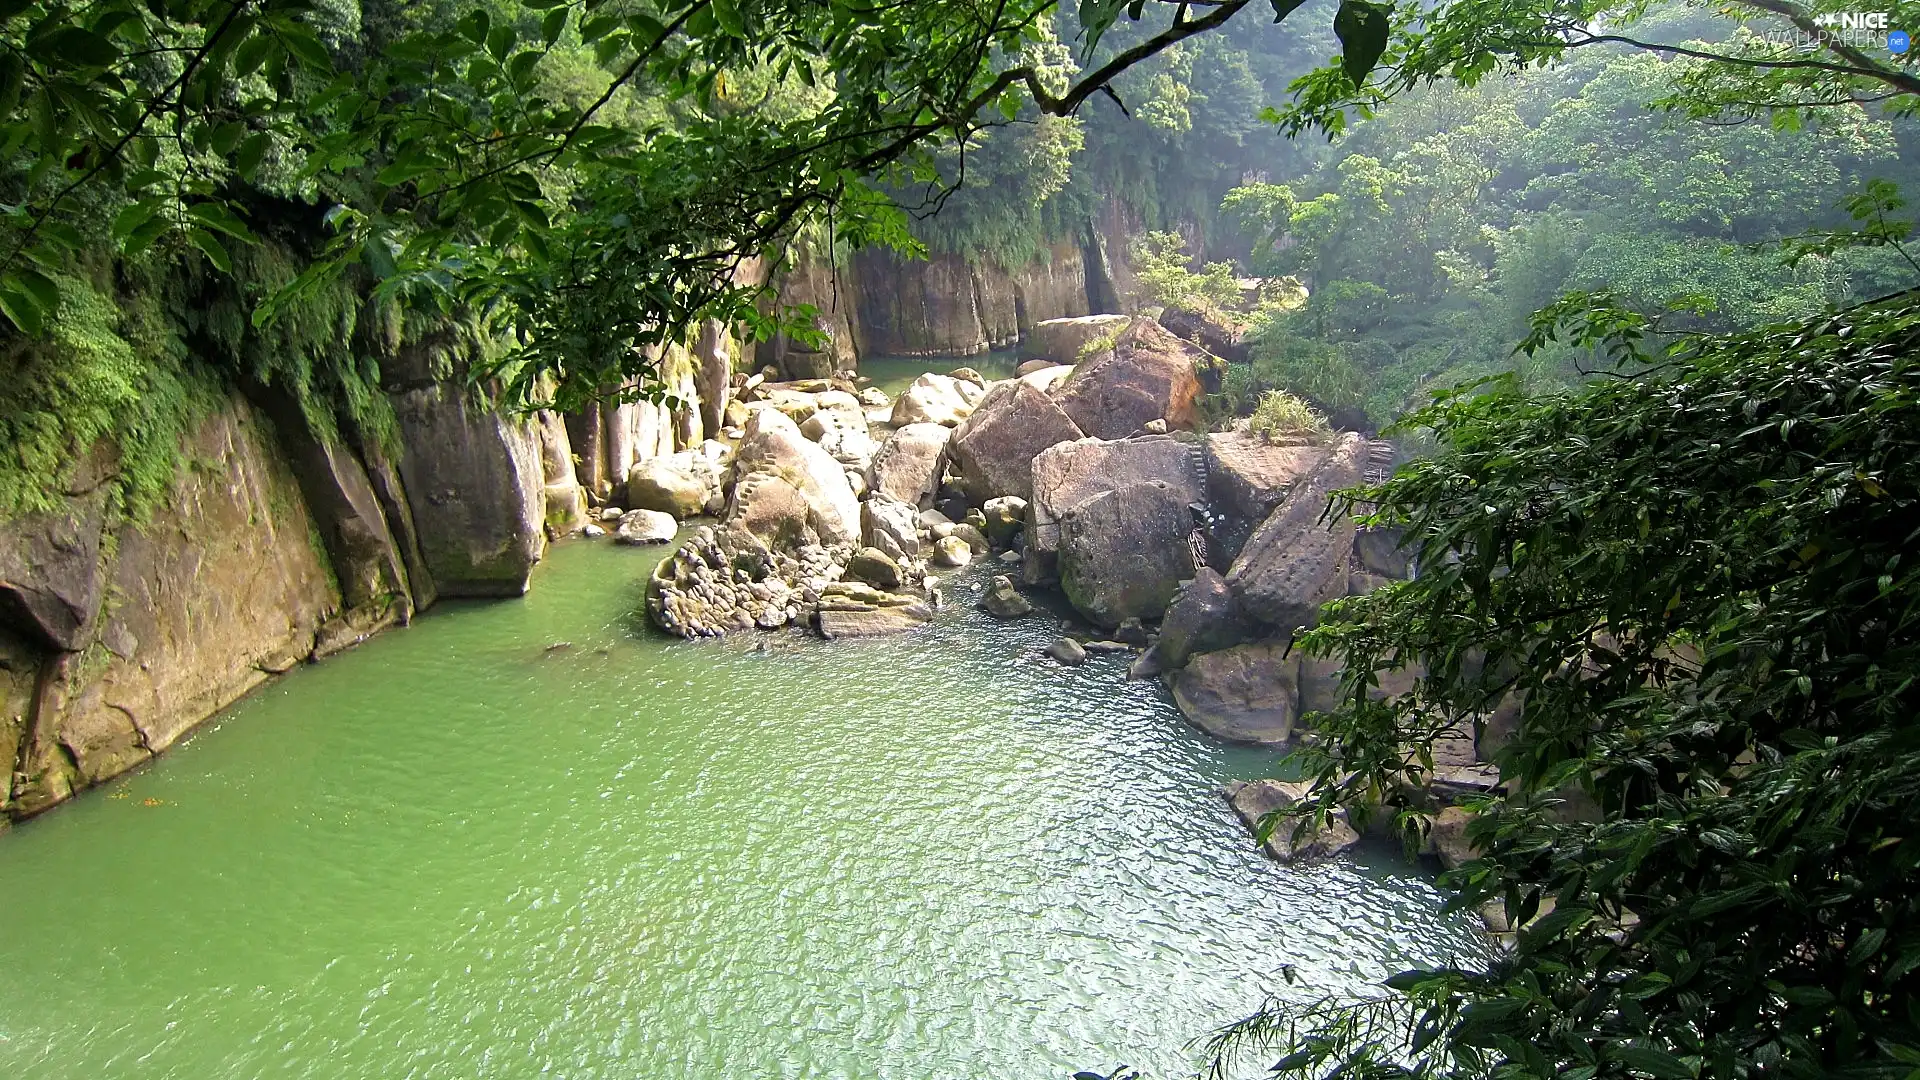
1254	801
645	527
1132	632
1154	427
612	513
837	623
874	567
951	551
1069	473
840	427
476	489
680	484
933	519
1010	557
872	397
993	450
1003	601
1148	375
888	525
1067	651
50	580
1030	366
1103	646
1061	341
907	466
1202	618
592	531
1247	477
1247	694
1005	517
1145	666
788	489
975	540
936	399
1380	553
967	374
1295	561
1360	583
1447	837
1124	552
1207	331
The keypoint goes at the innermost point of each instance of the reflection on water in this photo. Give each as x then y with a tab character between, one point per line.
455	853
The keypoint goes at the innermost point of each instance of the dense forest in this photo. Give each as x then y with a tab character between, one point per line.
1673	552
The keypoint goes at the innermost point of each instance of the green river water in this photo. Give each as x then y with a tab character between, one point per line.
452	853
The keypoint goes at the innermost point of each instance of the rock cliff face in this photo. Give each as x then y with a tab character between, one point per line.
225	584
274	548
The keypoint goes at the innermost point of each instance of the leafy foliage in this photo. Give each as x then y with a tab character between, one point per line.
1695	587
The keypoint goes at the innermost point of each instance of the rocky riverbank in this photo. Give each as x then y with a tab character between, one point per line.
1094	474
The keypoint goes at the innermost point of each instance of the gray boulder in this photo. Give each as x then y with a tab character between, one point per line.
1248	694
1005	517
476	488
1148	375
680	484
1068	474
1291	841
875	567
937	399
1203	618
907	467
1124	552
50	583
994	449
788	489
645	527
1067	651
888	525
1380	553
1247	477
1295	561
1061	341
858	621
951	551
1003	601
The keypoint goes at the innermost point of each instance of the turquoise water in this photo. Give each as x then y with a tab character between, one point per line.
454	852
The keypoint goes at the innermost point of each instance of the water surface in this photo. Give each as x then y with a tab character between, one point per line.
454	853
895	373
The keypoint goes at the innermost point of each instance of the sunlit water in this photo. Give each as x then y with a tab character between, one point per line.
453	853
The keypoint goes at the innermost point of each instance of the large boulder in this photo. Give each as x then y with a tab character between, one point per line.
1296	560
995	447
641	527
1061	341
1248	476
889	525
476	489
1248	694
788	489
936	399
1290	841
1202	618
50	583
1207	331
681	484
1147	375
1124	552
863	620
907	467
1068	474
839	425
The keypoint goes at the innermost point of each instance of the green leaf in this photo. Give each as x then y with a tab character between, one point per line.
13	73
1660	1064
246	160
22	310
1362	28
79	47
217	217
554	25
131	218
307	50
210	245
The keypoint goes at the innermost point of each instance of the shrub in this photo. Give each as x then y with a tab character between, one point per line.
1280	415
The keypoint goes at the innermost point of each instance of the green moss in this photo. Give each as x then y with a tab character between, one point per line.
111	372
